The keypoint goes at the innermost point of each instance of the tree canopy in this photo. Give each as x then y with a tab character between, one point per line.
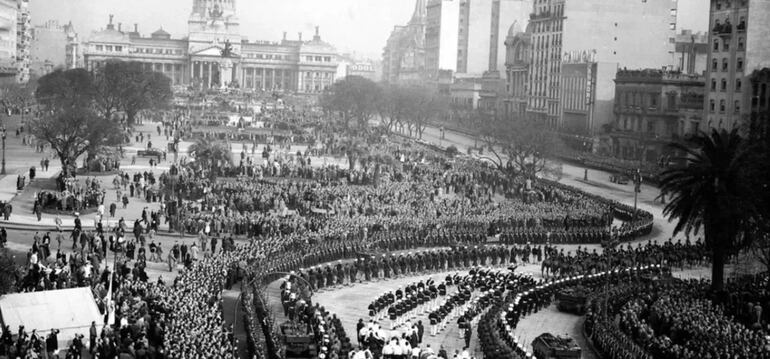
713	192
77	106
125	86
520	146
352	98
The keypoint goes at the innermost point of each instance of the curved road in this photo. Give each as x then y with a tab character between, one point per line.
598	183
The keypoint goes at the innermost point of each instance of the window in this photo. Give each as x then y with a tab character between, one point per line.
741	43
714	65
726	46
711	106
653	101
738	85
716	45
725	65
724	85
739	64
722	106
99	47
737	106
713	84
118	48
308	58
108	48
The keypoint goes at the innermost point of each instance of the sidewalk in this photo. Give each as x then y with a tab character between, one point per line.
8	183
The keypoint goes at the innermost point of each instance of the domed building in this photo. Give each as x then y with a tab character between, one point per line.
215	55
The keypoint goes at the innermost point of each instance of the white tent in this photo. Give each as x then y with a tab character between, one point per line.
70	311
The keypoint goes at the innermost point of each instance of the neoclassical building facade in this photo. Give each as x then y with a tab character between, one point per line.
216	55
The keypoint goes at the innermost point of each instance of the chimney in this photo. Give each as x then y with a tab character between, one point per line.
317	36
284	36
300	36
110	26
136	28
120	26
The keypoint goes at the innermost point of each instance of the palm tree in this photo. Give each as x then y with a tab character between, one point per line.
711	191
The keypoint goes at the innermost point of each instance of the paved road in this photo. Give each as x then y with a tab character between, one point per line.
598	183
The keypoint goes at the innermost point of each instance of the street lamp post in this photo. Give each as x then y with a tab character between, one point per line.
2	134
637	188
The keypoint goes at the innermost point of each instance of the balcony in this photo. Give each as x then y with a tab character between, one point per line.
540	16
724	30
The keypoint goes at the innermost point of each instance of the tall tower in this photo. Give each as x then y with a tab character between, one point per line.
211	8
213	22
420	13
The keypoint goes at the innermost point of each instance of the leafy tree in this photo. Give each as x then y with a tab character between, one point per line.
126	86
520	146
10	273
391	105
353	98
712	192
16	97
74	131
424	106
61	90
68	121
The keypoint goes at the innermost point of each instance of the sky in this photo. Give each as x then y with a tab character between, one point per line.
352	26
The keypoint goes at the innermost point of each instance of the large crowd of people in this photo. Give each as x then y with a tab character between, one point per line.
403	210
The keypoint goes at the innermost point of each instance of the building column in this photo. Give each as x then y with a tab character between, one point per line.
211	67
272	75
264	78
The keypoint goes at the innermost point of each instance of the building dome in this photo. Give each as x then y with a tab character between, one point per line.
161	34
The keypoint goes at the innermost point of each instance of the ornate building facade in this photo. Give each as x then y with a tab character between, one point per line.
216	55
403	59
517	57
652	109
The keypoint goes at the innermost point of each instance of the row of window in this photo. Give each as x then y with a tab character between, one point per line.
158	51
109	48
725	44
318	58
727	4
726	64
723	85
723	106
267	56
